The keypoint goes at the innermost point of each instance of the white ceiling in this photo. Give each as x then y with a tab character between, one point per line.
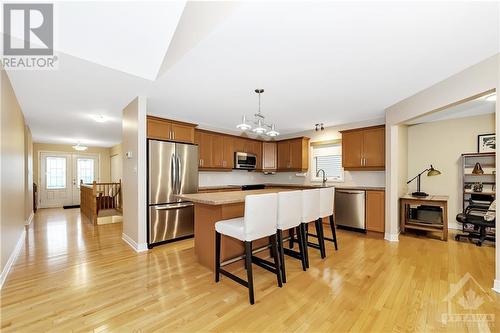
330	62
476	107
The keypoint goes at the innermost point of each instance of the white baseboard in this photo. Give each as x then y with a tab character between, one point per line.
496	286
30	218
12	258
391	237
137	247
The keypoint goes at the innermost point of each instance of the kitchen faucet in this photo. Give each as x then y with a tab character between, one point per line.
324	176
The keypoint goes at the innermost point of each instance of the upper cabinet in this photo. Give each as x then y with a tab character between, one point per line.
364	148
269	156
293	154
169	130
216	152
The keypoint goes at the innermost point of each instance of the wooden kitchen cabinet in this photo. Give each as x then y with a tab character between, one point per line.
269	156
228	152
374	147
375	210
216	150
182	133
283	155
293	154
170	130
204	142
364	148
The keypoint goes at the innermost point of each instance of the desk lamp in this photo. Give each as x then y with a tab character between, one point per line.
430	172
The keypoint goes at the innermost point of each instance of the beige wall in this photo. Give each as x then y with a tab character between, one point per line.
134	174
116	150
104	158
472	81
441	143
28	173
12	200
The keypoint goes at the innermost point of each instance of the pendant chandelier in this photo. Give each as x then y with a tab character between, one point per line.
260	127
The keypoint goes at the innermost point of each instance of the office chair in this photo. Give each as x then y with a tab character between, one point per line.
476	219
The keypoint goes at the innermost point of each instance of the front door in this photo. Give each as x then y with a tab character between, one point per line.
84	168
60	175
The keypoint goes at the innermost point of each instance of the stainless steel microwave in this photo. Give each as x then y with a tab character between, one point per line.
244	161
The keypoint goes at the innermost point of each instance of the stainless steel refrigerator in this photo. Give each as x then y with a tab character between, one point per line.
172	170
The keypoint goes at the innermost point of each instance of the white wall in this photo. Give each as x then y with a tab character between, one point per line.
468	83
351	178
134	174
441	143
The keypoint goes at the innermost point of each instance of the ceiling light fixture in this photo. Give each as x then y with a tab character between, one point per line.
260	126
318	127
99	118
491	98
79	147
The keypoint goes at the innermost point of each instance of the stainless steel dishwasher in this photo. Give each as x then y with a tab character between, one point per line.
350	209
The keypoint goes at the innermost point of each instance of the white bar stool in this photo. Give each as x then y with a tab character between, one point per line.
310	213
326	210
259	221
290	218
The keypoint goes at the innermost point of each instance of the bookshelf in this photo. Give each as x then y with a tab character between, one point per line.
487	162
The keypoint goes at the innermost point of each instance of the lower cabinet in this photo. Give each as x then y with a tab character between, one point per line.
375	210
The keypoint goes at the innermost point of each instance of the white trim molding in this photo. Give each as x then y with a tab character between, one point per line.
133	244
30	218
391	237
496	286
12	258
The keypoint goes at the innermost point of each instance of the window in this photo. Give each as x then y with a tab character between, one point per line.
56	172
327	157
85	169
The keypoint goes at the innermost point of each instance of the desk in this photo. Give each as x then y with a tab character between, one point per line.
432	200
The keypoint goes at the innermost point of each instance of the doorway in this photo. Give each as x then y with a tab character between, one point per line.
60	175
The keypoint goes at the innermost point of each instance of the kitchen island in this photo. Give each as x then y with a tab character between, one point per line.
212	207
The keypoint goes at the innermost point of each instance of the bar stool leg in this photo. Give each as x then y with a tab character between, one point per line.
334	232
321	239
301	247
291	238
304	241
248	263
282	255
276	260
217	256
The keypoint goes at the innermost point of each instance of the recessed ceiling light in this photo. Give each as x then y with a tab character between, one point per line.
491	98
99	118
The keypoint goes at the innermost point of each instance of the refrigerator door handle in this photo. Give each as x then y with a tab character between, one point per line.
174	206
172	172
178	174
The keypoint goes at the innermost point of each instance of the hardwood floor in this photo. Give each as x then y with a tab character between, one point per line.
73	276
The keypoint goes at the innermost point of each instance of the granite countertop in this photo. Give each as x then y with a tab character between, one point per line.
218	187
361	188
313	185
225	198
305	186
